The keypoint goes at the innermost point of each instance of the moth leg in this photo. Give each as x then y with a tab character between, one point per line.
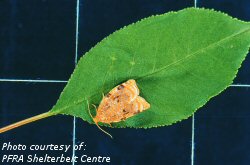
103	95
94	107
89	110
110	125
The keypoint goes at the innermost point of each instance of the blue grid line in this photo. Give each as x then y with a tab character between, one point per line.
193	122
193	144
240	85
76	57
33	80
195	3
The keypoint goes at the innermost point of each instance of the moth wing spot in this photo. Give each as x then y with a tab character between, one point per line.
120	87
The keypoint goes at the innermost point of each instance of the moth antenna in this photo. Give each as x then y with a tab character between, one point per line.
96	121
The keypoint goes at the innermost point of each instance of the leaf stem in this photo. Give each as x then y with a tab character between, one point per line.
26	121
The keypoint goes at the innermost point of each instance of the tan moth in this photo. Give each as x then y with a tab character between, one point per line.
120	103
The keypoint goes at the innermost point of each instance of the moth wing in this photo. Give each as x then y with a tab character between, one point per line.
119	103
124	93
119	112
145	105
138	105
135	107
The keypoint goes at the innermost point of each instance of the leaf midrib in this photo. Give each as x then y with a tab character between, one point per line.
196	52
213	45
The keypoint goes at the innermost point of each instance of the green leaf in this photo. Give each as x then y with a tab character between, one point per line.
180	60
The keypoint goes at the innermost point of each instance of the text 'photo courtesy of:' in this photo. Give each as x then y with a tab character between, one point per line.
124	82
